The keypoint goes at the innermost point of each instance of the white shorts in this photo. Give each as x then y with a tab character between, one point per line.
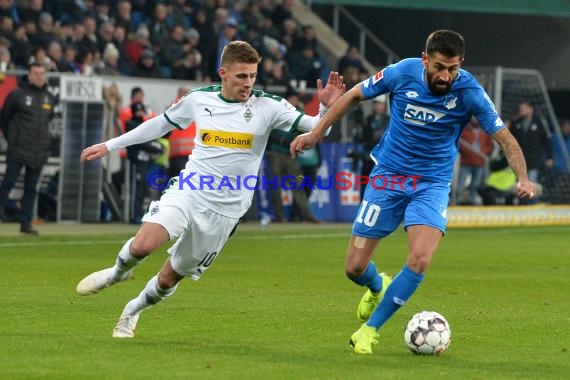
201	232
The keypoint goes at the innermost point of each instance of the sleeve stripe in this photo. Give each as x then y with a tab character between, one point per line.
294	126
171	122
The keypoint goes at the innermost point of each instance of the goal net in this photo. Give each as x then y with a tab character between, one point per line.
508	88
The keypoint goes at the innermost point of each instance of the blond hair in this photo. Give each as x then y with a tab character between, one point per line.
239	52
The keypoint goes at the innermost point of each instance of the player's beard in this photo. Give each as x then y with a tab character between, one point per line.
439	87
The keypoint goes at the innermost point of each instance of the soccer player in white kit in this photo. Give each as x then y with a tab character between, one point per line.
202	207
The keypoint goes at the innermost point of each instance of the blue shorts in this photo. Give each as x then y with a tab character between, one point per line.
391	198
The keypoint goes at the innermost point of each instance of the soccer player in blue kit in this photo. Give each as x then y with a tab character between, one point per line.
431	100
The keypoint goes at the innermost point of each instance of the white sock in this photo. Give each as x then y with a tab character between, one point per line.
125	261
151	295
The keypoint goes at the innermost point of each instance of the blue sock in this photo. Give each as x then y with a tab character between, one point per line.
370	278
399	291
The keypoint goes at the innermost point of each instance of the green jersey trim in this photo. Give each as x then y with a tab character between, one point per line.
171	122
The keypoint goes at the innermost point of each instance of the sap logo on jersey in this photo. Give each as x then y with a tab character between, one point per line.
227	139
420	115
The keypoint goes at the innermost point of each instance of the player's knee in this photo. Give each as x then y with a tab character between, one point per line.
168	280
354	270
419	262
142	246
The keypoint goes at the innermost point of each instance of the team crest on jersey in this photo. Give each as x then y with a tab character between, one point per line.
247	115
378	76
227	139
421	115
450	102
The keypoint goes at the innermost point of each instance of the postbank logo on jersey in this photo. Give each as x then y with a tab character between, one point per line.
227	139
420	115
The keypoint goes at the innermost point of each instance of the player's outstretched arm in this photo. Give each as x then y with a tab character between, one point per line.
515	158
147	131
94	152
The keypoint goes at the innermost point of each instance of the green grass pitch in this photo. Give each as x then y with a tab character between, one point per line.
276	305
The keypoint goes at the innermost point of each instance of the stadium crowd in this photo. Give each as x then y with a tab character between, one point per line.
179	39
183	39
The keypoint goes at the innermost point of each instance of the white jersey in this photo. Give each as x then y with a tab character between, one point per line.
231	137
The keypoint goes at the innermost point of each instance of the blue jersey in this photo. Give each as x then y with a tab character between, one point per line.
423	133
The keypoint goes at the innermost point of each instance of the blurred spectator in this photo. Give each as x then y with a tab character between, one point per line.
205	46
123	17
368	137
97	63
69	63
64	32
159	164
25	118
6	27
289	34
91	33
475	147
220	16
124	64
251	14
79	9
352	58
125	113
135	45
228	33
173	49
140	158
31	11
147	67
265	7
282	12
181	14
267	28
305	67
102	12
40	56
6	60
81	41
8	9
84	61
275	73
281	164
158	25
55	53
308	38
497	189
113	101
31	32
46	30
188	66
533	137
105	35
20	47
560	164
558	184
110	60
352	77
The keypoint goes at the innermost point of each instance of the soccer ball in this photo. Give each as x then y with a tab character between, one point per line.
427	333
